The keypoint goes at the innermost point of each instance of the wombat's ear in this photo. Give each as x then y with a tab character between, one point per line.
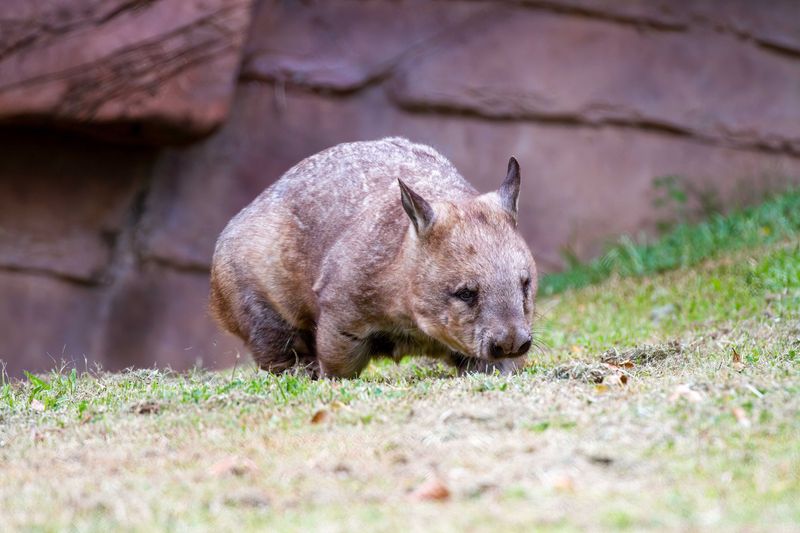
509	190
418	209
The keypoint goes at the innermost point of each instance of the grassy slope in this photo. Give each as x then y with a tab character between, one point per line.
776	219
689	442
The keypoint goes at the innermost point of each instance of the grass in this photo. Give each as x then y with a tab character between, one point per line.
687	244
693	438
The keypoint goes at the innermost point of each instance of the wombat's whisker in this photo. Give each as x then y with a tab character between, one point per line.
542	346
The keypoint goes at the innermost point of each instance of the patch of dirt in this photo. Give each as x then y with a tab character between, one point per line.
612	361
146	408
644	354
579	371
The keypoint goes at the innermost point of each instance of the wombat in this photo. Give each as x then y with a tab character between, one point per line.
377	249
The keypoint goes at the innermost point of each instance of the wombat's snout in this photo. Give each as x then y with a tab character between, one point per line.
508	342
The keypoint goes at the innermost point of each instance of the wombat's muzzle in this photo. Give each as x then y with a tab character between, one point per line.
507	342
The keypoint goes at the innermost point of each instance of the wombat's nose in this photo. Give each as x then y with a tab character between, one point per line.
497	350
509	343
525	348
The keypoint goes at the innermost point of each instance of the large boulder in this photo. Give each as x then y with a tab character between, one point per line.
135	70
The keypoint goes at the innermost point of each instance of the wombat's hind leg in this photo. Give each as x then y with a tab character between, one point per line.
275	345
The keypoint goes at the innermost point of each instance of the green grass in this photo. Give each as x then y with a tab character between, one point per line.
690	441
647	309
772	221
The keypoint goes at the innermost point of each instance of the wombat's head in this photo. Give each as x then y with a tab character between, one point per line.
473	276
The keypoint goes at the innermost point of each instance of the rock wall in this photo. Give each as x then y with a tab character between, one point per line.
132	130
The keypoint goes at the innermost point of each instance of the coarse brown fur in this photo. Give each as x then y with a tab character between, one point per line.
374	249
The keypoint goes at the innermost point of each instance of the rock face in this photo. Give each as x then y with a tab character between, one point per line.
171	307
136	70
693	82
346	44
64	202
46	320
568	199
105	245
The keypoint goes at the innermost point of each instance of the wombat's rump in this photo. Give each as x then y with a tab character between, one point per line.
373	249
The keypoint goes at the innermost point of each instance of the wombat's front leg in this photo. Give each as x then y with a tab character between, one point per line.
340	353
466	365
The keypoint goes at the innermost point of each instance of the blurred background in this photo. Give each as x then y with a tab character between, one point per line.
132	130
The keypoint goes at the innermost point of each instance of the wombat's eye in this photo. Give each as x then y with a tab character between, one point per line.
526	285
467	295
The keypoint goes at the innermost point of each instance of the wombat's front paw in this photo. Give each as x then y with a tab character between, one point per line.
512	366
467	365
312	370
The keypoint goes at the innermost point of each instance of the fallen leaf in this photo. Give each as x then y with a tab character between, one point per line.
233	465
687	393
602	460
617	379
561	482
323	415
741	417
248	499
342	468
398	459
146	408
36	405
601	388
627	364
737	363
431	490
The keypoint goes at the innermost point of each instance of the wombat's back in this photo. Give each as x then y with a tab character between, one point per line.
274	248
